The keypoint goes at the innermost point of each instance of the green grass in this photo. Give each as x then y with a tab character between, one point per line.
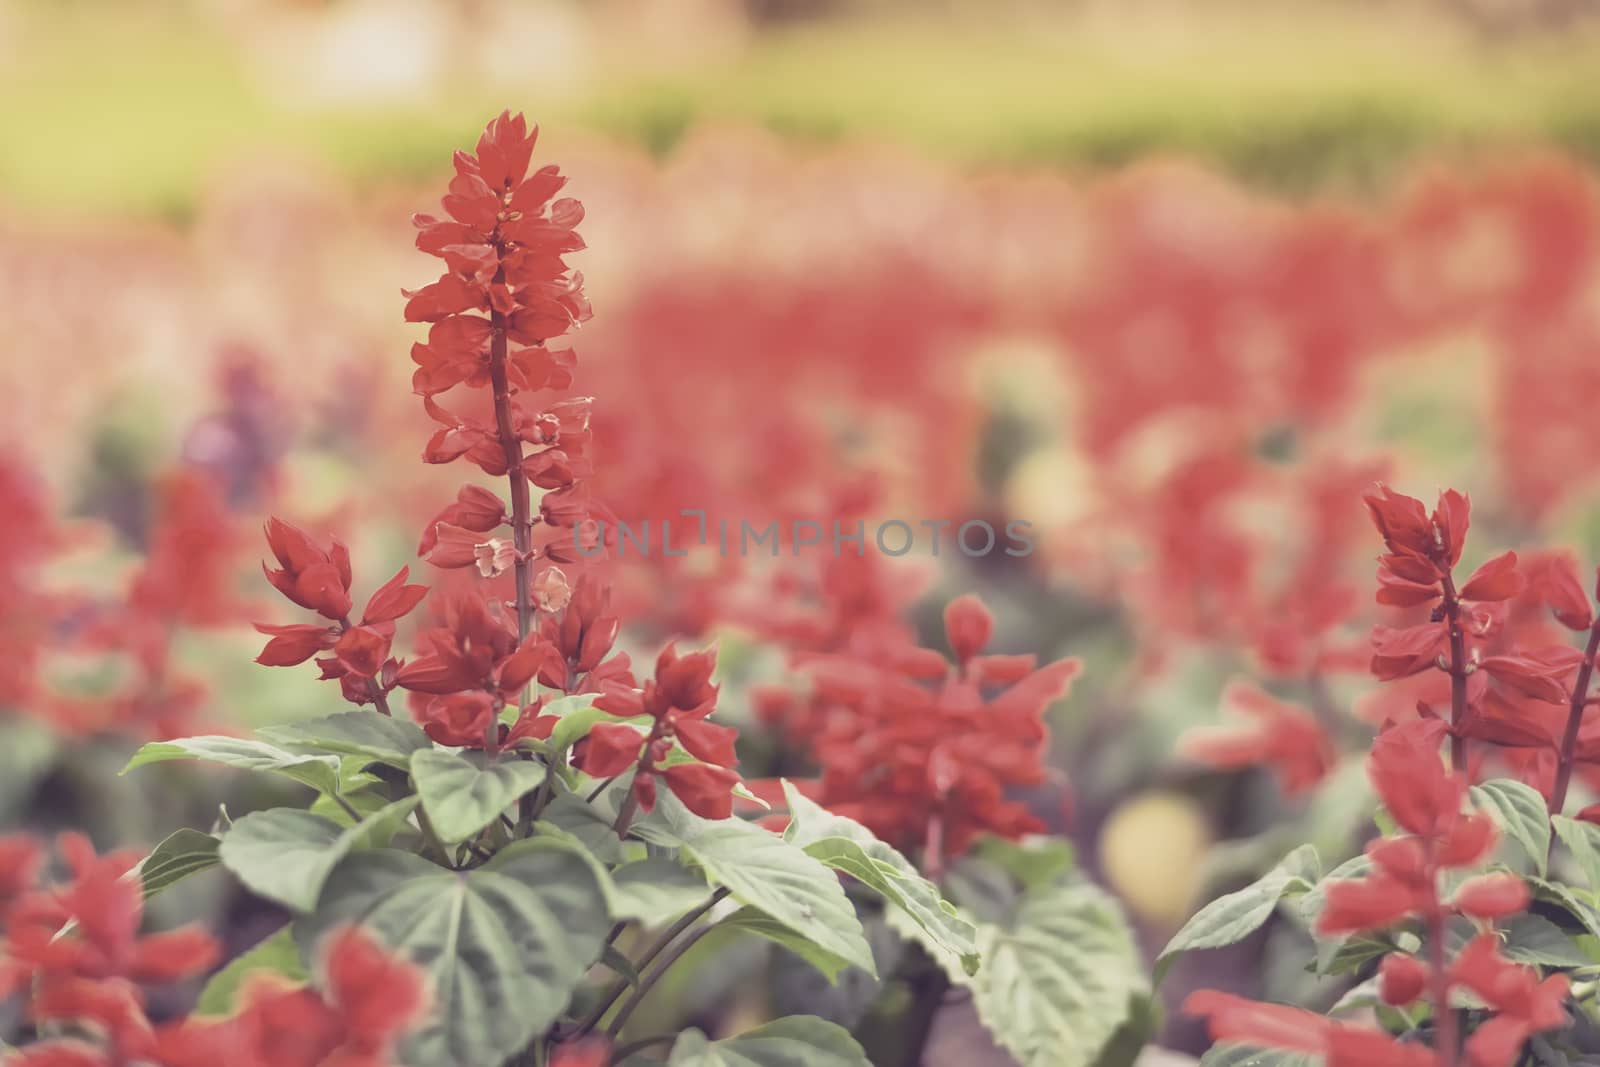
129	107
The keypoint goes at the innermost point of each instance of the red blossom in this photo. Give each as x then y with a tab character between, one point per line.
1283	736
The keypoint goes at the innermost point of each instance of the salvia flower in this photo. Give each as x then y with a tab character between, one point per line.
320	579
677	701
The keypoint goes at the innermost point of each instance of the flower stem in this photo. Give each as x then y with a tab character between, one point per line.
648	982
1569	739
1458	676
621	985
1447	1040
521	506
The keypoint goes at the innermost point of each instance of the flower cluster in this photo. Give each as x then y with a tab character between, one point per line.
319	579
505	294
923	751
185	582
1426	802
365	1001
74	950
1464	627
676	701
1279	734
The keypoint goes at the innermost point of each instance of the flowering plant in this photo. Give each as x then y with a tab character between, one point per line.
514	836
1468	945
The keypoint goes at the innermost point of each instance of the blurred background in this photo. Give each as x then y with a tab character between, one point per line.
1170	280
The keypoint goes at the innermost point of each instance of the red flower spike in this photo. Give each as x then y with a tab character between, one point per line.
309	576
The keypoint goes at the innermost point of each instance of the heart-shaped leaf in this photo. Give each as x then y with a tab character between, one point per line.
463	792
285	854
504	944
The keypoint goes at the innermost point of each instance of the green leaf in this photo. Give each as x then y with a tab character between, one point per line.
1576	902
463	792
1520	812
1245	1056
1335	955
1534	939
1583	841
319	772
765	872
371	735
584	822
285	854
846	845
504	944
1034	862
183	853
1060	979
1230	919
829	964
276	954
795	1041
655	891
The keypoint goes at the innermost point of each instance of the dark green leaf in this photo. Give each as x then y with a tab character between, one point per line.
504	944
1230	919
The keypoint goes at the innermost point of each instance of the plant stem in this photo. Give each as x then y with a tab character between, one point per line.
1458	676
621	985
521	509
1446	1042
648	982
1569	739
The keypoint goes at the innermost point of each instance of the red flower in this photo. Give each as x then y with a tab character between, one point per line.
368	1000
294	644
311	577
705	789
1276	1026
1555	580
1283	736
968	626
1495	580
1401	979
475	509
1492	896
393	600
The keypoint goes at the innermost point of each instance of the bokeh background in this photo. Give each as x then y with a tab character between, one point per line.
1170	280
